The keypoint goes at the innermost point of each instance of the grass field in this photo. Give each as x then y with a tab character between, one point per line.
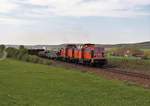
130	64
27	84
145	49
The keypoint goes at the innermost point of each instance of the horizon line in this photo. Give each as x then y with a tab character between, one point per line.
77	43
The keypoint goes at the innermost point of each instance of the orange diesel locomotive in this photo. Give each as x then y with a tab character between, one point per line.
83	54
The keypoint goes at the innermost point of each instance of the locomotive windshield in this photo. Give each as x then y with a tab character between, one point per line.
98	50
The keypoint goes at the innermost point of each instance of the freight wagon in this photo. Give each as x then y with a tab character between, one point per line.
86	54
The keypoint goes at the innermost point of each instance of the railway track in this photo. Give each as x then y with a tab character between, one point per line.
128	73
108	69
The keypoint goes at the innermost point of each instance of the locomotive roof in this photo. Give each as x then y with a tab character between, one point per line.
71	45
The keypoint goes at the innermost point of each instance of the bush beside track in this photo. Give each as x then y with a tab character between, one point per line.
22	54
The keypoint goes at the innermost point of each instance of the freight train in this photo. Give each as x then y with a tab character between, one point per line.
86	54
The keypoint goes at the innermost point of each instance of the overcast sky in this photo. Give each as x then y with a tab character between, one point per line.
74	21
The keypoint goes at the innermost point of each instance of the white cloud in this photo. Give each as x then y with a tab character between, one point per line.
39	2
138	2
12	20
113	8
6	6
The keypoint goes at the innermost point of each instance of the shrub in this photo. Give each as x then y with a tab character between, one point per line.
1	54
46	62
25	58
146	54
35	59
2	48
22	54
12	52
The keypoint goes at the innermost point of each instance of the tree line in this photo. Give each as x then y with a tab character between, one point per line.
22	54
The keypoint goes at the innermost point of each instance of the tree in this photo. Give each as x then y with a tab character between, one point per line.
12	52
22	49
2	48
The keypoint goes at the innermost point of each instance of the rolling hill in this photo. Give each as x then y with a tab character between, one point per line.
142	45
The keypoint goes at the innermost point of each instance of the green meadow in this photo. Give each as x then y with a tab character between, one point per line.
28	84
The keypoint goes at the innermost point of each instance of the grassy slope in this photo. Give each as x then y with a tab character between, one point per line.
26	84
130	64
